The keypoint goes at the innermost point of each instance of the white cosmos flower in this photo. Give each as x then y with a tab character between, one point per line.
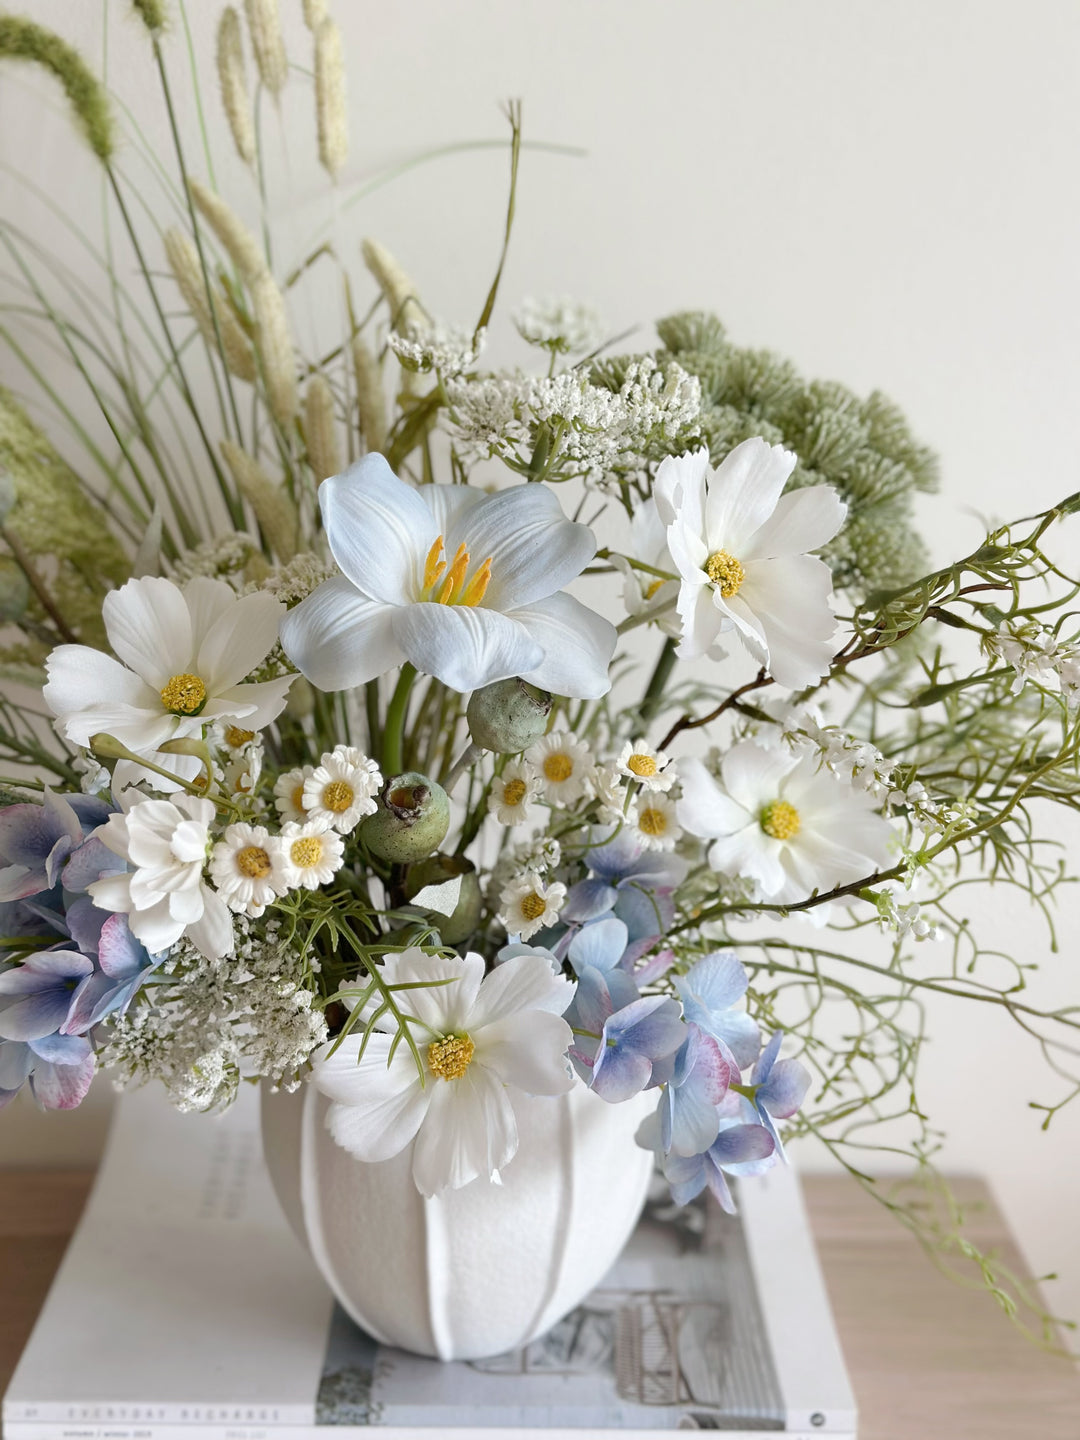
482	1041
289	792
513	792
650	768
246	868
340	790
564	765
648	596
464	585
787	824
183	655
164	895
655	821
740	548
527	905
311	854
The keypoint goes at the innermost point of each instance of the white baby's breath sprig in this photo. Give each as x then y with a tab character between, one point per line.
264	22
559	324
232	77
331	106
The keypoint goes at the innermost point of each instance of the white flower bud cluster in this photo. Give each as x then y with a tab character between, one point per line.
1037	655
904	919
562	325
449	349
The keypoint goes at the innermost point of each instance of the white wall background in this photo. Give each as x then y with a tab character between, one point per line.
887	193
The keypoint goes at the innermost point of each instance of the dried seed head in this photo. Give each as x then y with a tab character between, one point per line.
406	312
240	245
315	13
274	348
321	429
23	40
331	108
152	13
235	347
272	504
234	89
267	41
370	396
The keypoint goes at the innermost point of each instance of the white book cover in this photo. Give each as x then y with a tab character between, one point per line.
185	1304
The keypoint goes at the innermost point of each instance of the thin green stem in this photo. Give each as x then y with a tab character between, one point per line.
396	715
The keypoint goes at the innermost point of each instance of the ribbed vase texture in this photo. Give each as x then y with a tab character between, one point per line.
476	1271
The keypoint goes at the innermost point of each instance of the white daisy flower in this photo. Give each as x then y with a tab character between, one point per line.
183	655
527	904
513	792
740	548
243	768
639	761
164	894
246	868
655	821
483	1042
341	790
564	766
311	854
289	792
784	822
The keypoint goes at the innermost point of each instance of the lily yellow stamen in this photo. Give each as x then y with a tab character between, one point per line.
448	586
434	565
476	589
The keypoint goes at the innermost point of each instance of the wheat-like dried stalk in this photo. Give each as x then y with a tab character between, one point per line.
184	263
406	312
324	454
370	396
273	344
240	244
234	88
274	509
267	41
331	108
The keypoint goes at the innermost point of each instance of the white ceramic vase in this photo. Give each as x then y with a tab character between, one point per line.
477	1271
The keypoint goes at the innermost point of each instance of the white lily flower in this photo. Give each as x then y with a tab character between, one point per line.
481	1041
740	548
164	895
464	585
783	821
183	655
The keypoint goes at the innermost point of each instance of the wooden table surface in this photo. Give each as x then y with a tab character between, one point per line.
929	1359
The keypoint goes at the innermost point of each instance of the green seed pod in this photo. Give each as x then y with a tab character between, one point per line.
14	590
437	870
508	717
411	821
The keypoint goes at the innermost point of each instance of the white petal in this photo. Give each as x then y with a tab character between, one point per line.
577	643
258	703
339	638
239	640
462	646
448	504
688	551
790	599
149	627
679	489
535	550
704	809
207	601
212	933
525	982
529	1050
378	528
439	1006
88	689
751	853
378	1107
469	1131
743	494
753	776
701	619
803	520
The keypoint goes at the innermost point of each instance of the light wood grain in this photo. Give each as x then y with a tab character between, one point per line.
929	1359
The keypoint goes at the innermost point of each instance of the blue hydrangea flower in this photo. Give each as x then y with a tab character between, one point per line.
737	1150
780	1087
58	1067
625	1034
122	966
687	1120
634	883
36	841
708	991
36	996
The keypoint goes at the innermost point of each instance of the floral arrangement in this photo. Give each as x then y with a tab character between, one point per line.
435	735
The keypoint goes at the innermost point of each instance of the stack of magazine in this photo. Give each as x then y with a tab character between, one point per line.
185	1309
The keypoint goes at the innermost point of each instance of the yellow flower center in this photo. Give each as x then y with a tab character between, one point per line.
652	589
254	862
514	792
236	737
337	796
183	694
298	798
533	906
558	767
306	852
725	572
653	822
643	765
448	584
780	820
451	1056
